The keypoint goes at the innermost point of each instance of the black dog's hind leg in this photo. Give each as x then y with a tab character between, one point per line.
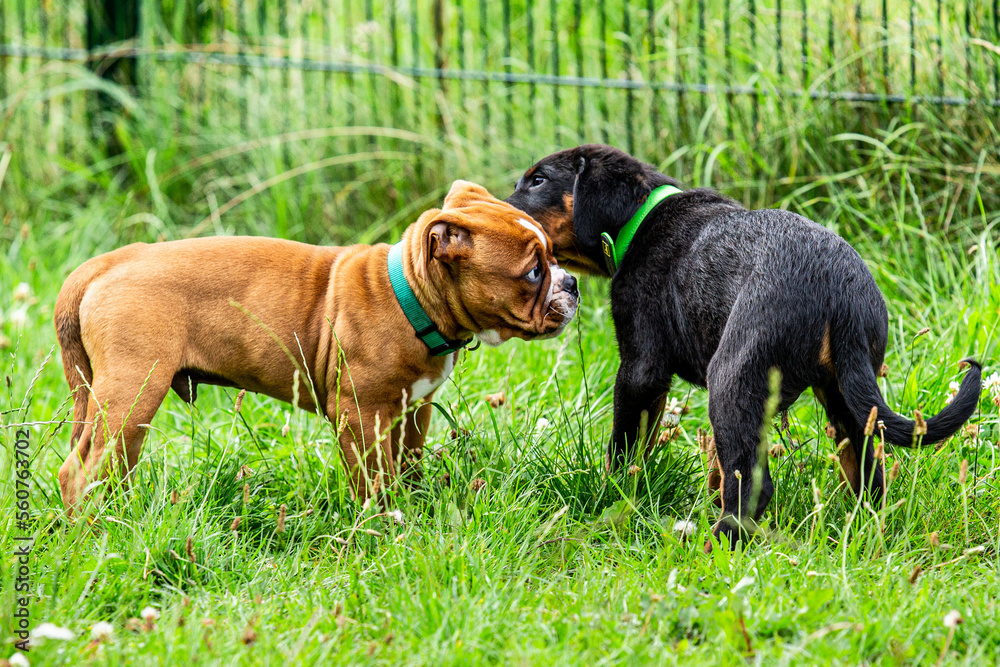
857	459
633	397
737	394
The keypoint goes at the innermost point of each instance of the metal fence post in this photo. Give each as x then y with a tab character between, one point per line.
110	22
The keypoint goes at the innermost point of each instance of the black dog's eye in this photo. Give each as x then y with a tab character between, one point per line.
533	275
537	180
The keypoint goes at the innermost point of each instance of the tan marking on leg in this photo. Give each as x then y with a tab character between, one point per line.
654	426
714	478
826	351
850	472
720	481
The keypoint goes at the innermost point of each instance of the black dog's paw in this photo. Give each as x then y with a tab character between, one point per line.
617	457
730	531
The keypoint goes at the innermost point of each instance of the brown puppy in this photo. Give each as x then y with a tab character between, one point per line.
263	314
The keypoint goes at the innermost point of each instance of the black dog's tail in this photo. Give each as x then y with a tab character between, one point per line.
860	390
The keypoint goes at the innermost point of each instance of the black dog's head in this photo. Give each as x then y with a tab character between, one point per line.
579	193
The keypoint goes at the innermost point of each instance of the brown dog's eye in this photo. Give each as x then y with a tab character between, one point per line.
533	275
537	180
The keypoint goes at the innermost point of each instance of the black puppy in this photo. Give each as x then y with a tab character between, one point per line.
720	295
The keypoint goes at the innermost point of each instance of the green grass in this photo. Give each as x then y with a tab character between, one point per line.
549	561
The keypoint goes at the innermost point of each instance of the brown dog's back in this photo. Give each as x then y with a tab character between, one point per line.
121	295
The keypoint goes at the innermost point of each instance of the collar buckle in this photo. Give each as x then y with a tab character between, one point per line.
608	246
447	347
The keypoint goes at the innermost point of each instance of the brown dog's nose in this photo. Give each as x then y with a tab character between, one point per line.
569	284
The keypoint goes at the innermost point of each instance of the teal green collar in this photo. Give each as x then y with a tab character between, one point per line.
421	323
615	250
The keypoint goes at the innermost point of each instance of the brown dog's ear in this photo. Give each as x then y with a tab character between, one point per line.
463	193
447	239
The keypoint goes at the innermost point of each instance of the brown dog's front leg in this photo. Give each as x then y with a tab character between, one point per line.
366	443
415	426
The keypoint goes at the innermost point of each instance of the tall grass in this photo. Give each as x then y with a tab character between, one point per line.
545	559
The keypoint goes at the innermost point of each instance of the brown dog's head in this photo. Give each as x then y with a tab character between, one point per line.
579	193
494	267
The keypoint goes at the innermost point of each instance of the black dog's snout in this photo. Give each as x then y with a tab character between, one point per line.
569	284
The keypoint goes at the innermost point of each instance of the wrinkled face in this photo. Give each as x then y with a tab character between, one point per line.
545	192
502	264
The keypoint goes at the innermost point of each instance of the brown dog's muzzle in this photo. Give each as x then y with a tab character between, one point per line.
561	302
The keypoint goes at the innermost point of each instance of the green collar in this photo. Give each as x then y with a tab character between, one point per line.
421	323
614	250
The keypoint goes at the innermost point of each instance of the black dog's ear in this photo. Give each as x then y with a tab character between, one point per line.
608	190
581	164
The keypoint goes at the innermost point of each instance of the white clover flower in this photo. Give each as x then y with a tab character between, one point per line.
993	383
952	619
541	424
670	419
22	292
952	392
149	614
52	631
19	317
396	516
18	660
684	528
102	631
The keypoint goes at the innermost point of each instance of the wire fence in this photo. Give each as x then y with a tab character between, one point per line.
537	73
